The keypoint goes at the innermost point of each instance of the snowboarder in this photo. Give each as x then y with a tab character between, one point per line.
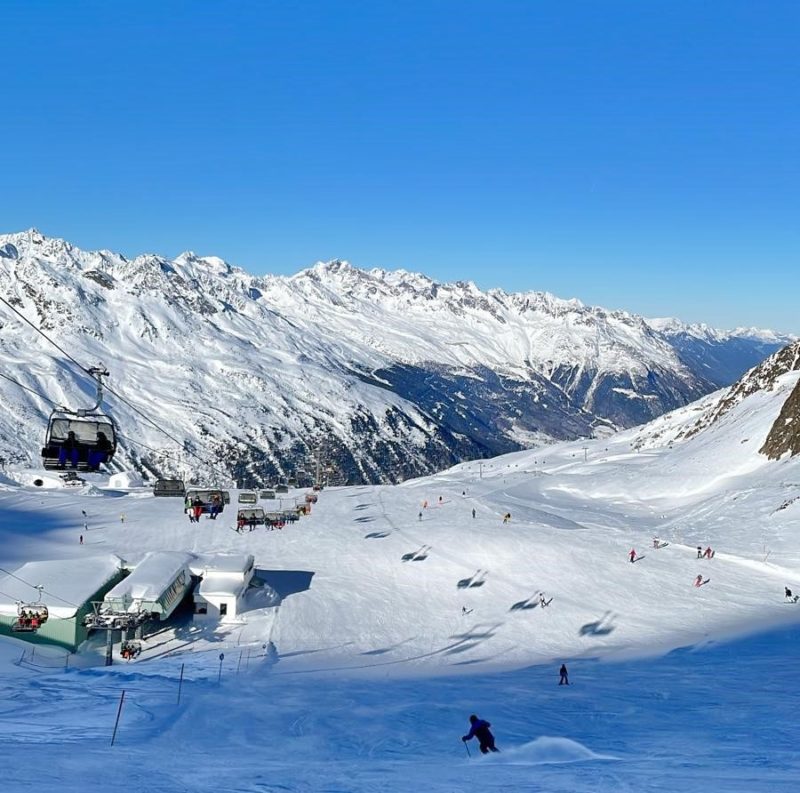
698	582
480	730
473	513
632	554
789	597
563	678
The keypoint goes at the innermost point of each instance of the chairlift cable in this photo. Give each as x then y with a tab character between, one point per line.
50	616
39	330
181	444
35	586
28	388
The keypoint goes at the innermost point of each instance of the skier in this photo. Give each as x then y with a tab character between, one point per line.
563	679
473	513
708	553
420	515
80	541
698	582
542	600
480	730
632	554
699	552
789	597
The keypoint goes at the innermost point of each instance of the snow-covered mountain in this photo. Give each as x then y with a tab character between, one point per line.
398	374
390	613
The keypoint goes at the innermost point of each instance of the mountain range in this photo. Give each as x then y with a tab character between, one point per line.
384	375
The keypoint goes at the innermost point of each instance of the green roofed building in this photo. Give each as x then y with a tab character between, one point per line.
66	587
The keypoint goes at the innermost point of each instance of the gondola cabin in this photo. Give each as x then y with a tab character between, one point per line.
78	443
248	497
169	488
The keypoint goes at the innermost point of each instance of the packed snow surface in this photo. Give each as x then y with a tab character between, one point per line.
381	621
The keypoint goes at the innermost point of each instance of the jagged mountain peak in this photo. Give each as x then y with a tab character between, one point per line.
405	374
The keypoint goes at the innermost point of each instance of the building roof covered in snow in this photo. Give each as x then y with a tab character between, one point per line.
231	563
151	577
67	584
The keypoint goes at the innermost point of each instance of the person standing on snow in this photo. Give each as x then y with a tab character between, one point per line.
632	554
473	513
563	679
480	730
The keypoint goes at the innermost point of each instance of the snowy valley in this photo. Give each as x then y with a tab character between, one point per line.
421	603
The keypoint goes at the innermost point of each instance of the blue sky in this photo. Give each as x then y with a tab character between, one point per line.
635	155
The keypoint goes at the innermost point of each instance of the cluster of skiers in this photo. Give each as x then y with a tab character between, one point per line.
707	554
790	598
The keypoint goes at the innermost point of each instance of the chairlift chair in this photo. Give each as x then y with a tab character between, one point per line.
206	498
31	616
83	439
169	488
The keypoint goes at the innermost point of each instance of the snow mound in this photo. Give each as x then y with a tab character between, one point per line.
125	479
34	478
546	750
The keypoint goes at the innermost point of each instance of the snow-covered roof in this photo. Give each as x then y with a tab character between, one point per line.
152	576
231	563
67	583
225	584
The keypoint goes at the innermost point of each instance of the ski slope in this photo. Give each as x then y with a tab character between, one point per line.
355	667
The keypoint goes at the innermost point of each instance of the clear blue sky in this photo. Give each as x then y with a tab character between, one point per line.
641	155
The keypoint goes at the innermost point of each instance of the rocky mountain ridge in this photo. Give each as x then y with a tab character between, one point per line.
399	374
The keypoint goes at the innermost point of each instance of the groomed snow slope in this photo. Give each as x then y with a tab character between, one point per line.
369	597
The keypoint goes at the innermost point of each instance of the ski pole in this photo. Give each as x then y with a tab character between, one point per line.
467	748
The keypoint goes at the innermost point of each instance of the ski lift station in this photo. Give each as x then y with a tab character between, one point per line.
153	590
64	590
219	597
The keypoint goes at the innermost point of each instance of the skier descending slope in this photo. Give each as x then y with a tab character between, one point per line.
480	730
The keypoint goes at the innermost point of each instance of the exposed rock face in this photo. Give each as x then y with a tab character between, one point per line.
761	378
784	437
